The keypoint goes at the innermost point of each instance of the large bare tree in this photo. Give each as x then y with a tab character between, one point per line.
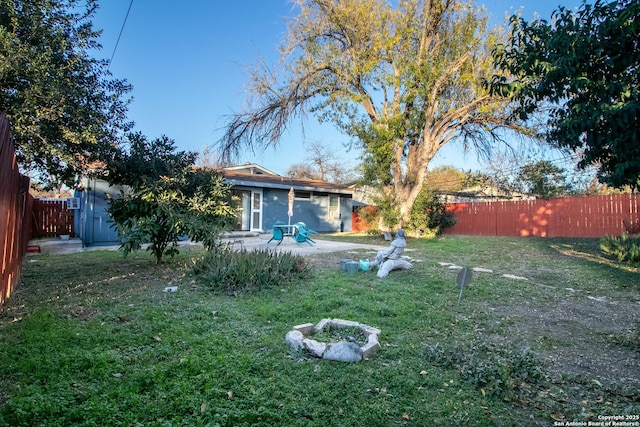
402	80
323	163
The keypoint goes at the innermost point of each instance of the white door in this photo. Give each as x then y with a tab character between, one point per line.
256	210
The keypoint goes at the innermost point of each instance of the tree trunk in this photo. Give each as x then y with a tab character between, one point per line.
406	195
408	180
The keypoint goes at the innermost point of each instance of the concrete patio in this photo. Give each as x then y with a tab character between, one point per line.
248	241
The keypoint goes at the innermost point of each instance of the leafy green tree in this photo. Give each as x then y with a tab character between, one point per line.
167	198
583	71
544	179
64	109
445	178
472	179
402	79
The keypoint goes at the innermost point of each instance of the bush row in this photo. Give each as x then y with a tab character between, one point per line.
624	248
243	271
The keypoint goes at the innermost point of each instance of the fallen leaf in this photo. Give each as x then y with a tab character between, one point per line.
405	416
423	372
203	407
484	393
557	416
157	338
383	390
230	394
124	318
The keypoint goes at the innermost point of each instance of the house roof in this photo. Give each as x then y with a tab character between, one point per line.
480	193
252	168
281	182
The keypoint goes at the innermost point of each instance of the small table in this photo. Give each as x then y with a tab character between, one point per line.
282	230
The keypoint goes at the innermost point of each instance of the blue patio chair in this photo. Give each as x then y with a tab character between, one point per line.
302	226
301	234
277	232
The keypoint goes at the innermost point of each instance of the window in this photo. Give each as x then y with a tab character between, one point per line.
302	195
334	207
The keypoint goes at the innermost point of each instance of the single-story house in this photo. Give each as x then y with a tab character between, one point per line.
263	196
481	193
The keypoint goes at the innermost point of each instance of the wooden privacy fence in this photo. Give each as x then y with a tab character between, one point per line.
52	218
588	216
15	211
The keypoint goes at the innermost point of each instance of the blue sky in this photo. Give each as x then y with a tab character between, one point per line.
186	66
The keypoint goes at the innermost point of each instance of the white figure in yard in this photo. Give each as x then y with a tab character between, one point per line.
389	259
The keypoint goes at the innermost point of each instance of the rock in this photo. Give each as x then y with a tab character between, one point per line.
305	328
370	330
511	276
343	351
340	323
316	348
321	325
370	349
294	339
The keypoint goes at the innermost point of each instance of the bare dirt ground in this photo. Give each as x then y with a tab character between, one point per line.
582	336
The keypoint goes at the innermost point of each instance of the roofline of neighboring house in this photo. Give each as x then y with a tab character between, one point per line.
282	183
262	169
480	195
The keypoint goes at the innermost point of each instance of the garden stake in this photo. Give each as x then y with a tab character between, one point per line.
464	277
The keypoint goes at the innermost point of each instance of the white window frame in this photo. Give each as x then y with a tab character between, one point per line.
256	210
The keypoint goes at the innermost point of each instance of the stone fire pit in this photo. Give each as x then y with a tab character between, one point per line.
342	351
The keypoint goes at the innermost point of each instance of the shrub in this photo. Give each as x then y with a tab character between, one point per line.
236	272
624	248
429	216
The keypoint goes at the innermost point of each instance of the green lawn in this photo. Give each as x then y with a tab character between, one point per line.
91	339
